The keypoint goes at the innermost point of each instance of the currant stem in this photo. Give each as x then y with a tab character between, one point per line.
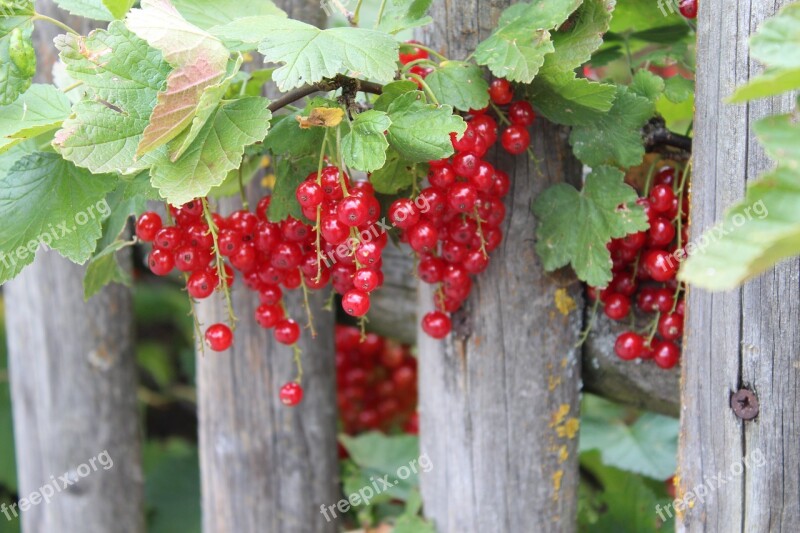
319	208
590	325
45	18
325	86
221	273
309	314
298	362
425	87
427	49
242	193
480	233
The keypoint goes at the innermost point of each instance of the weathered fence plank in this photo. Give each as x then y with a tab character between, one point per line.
73	381
499	399
743	339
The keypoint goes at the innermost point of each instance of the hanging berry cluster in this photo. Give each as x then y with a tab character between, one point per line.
644	266
376	383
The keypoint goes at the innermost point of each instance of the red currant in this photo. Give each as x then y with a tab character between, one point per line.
436	324
515	140
287	331
219	337
500	92
629	346
291	394
148	225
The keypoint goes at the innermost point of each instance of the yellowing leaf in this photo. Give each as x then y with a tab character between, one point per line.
325	117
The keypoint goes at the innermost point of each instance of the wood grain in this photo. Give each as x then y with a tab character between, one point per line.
747	338
499	399
73	379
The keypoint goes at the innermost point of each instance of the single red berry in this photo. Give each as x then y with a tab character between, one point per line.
291	394
355	302
515	140
287	331
661	233
409	53
670	326
629	346
688	8
334	231
422	237
634	241
353	211
617	306
462	197
219	337
662	198
660	265
169	238
148	225
366	280
500	92
229	241
267	316
436	324
486	127
666	354
201	284
309	194
476	262
466	164
442	176
521	113
665	176
188	259
403	213
161	262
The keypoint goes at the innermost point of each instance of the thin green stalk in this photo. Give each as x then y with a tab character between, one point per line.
223	276
45	18
425	87
380	13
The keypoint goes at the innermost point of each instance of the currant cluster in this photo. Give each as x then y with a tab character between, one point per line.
348	245
376	383
644	266
463	207
266	255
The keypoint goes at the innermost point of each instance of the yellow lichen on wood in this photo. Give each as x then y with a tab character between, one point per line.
557	475
563	454
569	429
560	415
564	302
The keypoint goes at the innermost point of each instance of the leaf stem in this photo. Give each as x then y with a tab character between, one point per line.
356	13
380	13
45	18
241	190
75	85
427	49
425	87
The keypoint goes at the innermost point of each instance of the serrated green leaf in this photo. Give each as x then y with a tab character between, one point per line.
396	174
648	447
378	455
402	15
647	84
780	136
46	200
614	138
574	227
391	91
207	14
217	150
678	89
288	138
575	46
289	174
364	147
758	232
91	9
516	49
564	99
122	76
421	132
308	54
199	61
104	268
771	83
249	169
459	84
777	40
17	60
42	108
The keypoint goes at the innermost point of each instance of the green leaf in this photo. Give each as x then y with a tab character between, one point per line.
377	455
217	150
780	136
309	54
614	138
647	84
172	487
396	174
289	173
755	234
771	83
288	138
574	227
91	9
17	58
402	15
119	8
459	84
207	14
662	34
391	91
421	132
517	48
648	446
46	200
564	99
413	524
777	40
104	268
199	61
365	146
122	76
42	108
678	89
575	46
